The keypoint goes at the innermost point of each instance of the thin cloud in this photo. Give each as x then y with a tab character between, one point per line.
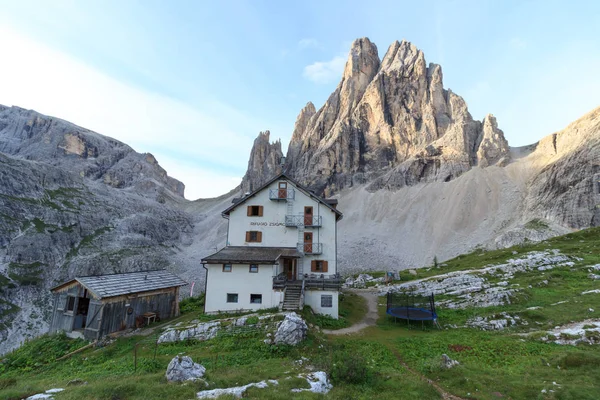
64	87
518	43
324	72
308	43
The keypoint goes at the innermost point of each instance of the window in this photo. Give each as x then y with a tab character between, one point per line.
256	299
255	211
70	303
226	267
232	297
254	236
326	301
318	266
254	268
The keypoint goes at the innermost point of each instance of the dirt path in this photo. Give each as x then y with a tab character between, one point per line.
445	395
369	319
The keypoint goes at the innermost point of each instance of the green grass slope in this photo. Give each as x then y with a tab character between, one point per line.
392	360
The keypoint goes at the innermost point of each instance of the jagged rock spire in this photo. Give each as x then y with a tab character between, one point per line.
390	123
264	162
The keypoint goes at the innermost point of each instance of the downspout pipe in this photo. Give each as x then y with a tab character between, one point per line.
205	284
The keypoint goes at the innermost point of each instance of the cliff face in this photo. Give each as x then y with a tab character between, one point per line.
390	123
29	135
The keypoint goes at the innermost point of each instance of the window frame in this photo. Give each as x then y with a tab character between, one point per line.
254	211
256	239
70	306
328	300
237	298
250	268
256	296
225	269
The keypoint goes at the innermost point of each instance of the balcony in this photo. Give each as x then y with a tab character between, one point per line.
311	281
302	220
282	194
310	248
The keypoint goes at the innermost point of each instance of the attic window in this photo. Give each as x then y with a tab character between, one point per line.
255	211
254	268
226	267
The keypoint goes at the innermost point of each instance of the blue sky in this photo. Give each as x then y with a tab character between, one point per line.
194	82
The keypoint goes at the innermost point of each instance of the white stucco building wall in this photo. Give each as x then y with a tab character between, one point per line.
271	223
243	283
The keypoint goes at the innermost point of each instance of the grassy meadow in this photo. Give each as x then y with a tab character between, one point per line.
391	360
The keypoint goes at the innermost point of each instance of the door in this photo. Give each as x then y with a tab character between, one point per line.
308	216
289	268
308	242
282	192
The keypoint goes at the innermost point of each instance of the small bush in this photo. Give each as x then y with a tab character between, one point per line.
8	382
252	320
350	368
191	304
576	360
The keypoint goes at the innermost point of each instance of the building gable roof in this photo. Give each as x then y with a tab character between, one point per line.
103	286
326	202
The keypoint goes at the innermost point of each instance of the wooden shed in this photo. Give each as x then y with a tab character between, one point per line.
94	306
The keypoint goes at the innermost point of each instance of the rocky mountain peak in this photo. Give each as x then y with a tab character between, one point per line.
264	162
389	123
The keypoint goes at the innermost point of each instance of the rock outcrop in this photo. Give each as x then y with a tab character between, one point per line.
183	368
32	136
390	124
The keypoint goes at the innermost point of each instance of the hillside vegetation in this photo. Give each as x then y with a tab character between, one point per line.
392	359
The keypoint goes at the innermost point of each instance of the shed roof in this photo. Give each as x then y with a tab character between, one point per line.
248	254
103	286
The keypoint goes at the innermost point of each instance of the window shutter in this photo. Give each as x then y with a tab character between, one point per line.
259	236
324	266
260	211
249	211
247	236
313	266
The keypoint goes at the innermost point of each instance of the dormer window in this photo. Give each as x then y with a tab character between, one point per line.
255	211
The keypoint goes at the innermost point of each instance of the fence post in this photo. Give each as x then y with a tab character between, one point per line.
135	357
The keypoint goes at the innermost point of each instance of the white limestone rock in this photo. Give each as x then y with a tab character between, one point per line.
183	368
292	330
448	363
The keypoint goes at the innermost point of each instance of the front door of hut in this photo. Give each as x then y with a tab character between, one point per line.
289	267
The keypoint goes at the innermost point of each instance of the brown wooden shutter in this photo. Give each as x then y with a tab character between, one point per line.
259	236
249	212
324	266
313	266
247	236
260	211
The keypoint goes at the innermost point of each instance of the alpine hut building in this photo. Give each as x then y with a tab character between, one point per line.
281	252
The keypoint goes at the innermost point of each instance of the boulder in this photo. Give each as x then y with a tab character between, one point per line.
448	363
183	368
292	330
